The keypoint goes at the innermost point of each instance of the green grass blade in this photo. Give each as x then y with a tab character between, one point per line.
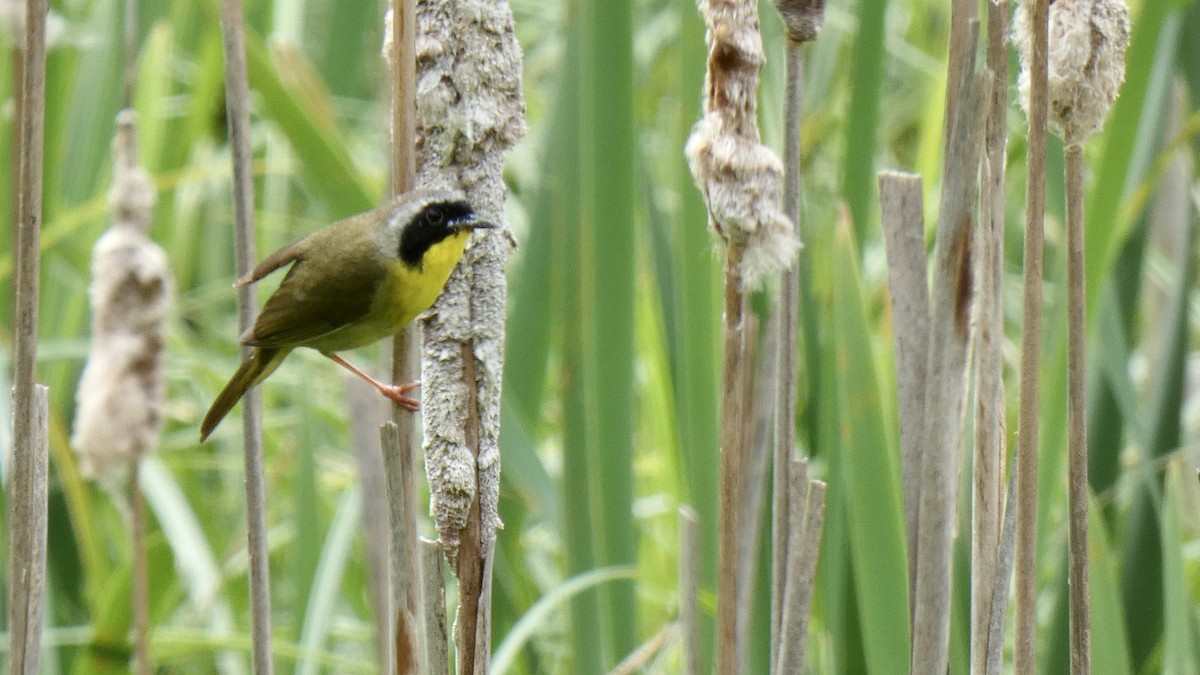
1110	647
862	118
327	580
870	474
537	616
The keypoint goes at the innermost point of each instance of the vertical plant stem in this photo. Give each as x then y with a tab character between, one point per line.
141	573
962	12
27	520
689	588
366	411
787	320
237	99
27	516
129	75
951	302
405	346
737	367
401	471
1031	346
903	221
1005	553
808	520
1077	469
437	642
988	476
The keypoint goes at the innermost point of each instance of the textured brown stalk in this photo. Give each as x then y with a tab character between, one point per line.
903	221
469	56
237	107
437	639
27	484
1000	584
787	320
1031	346
405	347
988	476
951	302
400	468
367	411
807	523
470	561
27	538
736	371
1077	466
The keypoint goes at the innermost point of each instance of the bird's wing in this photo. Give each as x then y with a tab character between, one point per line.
315	299
283	256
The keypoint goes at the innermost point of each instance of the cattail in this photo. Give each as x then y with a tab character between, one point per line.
803	18
122	391
1086	62
740	178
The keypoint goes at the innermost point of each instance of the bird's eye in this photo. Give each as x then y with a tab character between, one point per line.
435	216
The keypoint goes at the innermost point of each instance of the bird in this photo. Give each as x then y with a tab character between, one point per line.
353	283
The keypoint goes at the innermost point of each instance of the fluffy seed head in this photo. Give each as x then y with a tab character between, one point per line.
1085	64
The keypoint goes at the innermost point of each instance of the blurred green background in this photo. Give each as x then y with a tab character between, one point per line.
613	359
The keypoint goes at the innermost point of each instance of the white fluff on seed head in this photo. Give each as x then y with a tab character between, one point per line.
1085	65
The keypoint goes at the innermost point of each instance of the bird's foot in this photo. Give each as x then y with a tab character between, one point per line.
396	393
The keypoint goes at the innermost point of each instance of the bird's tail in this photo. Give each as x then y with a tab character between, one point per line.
254	369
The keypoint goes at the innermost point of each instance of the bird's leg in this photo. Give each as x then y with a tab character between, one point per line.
395	392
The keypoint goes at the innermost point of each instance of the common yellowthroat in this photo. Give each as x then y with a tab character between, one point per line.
352	283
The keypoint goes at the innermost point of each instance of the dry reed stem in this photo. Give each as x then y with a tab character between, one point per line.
1005	554
1031	344
400	468
759	432
736	372
988	477
237	100
951	301
962	13
807	524
437	637
27	520
400	51
903	222
29	463
366	412
1077	474
689	589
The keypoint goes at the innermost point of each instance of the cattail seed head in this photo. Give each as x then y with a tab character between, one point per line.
122	391
1085	63
741	179
803	18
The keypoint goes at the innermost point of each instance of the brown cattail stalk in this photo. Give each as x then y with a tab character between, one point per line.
468	118
803	19
399	49
988	475
951	302
741	181
1086	66
29	467
1033	87
237	108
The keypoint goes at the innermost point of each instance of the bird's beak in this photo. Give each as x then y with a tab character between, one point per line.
473	224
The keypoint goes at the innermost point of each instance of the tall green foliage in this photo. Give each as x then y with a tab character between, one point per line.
612	360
